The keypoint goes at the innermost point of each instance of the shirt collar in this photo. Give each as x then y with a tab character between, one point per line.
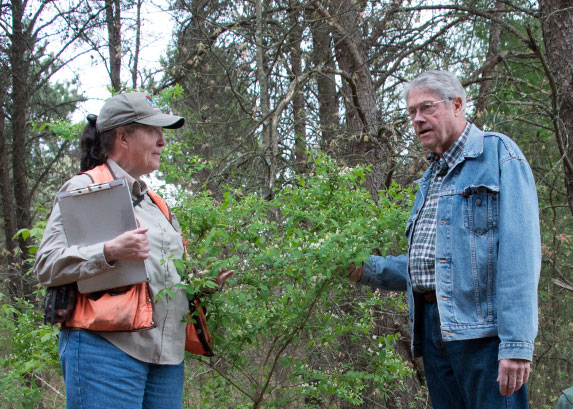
136	186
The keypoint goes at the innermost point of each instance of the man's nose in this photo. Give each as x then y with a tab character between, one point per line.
418	117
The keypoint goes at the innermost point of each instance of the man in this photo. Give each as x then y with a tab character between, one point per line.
474	255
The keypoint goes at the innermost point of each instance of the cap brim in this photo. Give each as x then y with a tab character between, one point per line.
162	120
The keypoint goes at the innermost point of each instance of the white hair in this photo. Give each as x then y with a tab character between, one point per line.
442	83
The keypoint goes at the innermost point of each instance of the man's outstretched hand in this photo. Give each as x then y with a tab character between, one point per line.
355	273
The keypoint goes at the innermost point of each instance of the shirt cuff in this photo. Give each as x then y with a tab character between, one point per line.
96	260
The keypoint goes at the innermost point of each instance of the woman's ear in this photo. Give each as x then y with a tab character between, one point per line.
121	138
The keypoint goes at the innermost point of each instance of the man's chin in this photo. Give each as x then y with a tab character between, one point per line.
427	143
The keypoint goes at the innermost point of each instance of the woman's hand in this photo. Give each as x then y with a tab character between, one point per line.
130	245
223	276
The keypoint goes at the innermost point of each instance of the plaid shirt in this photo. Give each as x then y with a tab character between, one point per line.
423	247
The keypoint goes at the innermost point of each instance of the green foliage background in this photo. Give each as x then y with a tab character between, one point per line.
289	329
281	320
286	315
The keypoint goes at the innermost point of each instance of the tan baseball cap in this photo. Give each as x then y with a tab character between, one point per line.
134	107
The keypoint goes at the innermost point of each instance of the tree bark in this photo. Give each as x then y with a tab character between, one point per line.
270	146
113	21
191	41
362	145
20	107
488	72
323	58
298	102
19	216
557	25
352	56
8	211
134	67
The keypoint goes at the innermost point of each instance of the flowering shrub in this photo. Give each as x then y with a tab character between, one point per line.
286	328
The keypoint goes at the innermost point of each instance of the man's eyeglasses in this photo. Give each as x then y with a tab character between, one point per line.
425	108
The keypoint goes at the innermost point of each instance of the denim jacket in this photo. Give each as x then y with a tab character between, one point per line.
488	249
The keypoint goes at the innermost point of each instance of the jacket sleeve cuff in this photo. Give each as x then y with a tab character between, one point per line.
368	273
387	273
96	260
515	350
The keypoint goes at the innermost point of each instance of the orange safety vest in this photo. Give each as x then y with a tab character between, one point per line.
132	308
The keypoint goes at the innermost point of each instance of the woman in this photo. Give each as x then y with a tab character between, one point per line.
141	369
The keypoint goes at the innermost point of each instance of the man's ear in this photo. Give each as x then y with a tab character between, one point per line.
458	106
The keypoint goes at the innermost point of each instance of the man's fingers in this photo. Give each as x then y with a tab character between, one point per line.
520	376
504	377
511	384
523	374
512	374
355	273
526	374
502	380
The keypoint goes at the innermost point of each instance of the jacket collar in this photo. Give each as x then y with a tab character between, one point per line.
473	148
474	144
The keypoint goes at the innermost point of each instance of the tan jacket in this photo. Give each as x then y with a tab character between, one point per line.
57	264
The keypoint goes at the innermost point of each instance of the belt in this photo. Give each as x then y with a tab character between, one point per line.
112	291
430	297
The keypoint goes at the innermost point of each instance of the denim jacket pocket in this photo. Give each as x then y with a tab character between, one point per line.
480	210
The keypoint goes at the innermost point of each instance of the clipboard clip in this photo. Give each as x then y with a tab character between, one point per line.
94	188
90	189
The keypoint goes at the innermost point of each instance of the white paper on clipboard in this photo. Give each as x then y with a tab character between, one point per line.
95	214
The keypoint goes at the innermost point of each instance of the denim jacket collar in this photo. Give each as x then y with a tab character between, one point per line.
474	145
472	149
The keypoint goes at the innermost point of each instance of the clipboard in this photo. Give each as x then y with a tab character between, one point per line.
95	214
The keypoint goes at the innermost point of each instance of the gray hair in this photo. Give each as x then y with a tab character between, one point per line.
443	83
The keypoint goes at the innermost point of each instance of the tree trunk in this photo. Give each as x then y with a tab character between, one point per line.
358	89
8	212
488	72
298	102
20	69
322	57
557	25
362	145
270	147
19	114
134	66
113	21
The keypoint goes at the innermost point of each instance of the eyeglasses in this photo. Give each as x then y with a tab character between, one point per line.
425	108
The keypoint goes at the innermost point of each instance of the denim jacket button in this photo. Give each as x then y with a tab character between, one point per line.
478	202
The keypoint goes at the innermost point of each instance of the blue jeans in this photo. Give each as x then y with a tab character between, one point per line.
99	375
463	374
